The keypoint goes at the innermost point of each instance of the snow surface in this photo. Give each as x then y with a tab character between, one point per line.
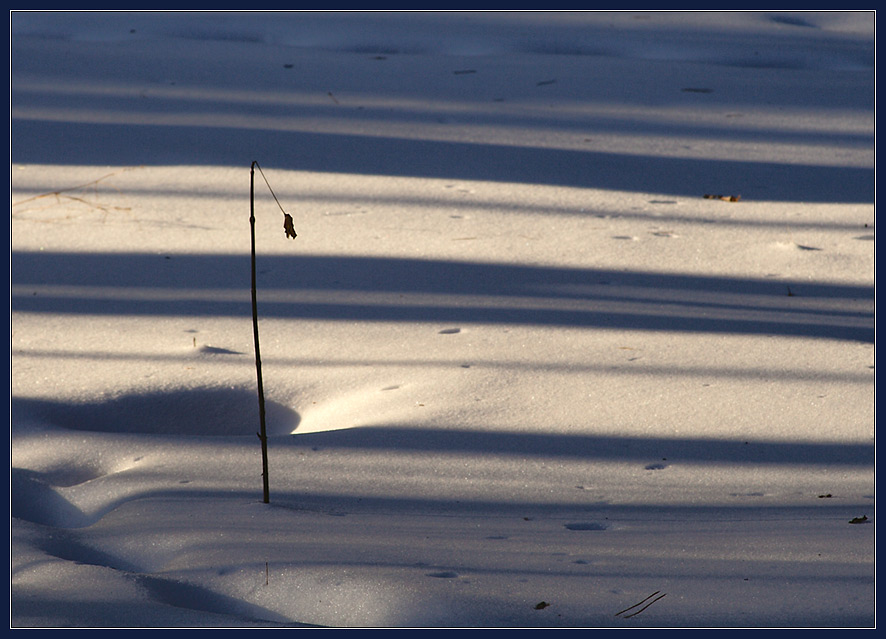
519	371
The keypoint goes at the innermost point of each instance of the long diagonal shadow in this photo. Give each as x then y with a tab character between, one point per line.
411	290
115	144
528	445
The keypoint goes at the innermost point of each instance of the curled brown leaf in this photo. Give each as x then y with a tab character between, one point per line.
287	226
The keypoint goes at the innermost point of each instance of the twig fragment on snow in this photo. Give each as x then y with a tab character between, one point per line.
655	596
70	188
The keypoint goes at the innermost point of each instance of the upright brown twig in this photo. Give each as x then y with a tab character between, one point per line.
290	232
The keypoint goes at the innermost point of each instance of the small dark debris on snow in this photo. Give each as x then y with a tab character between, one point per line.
541	605
585	525
443	574
859	520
